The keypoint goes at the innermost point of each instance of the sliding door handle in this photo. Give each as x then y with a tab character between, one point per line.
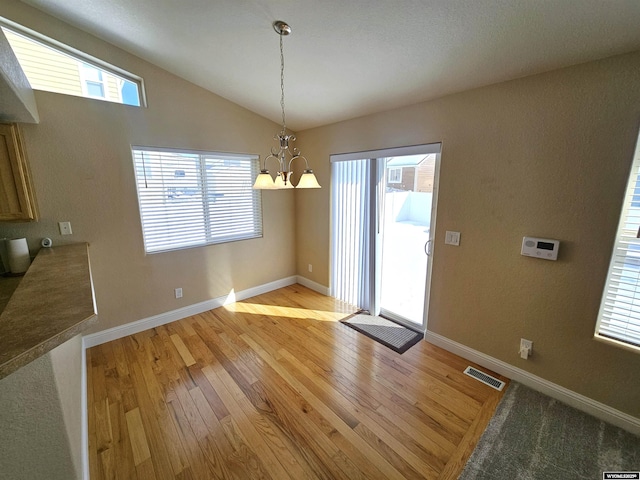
427	248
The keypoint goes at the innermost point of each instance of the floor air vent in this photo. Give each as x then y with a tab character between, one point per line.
484	378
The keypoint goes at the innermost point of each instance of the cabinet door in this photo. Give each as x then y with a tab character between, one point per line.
16	194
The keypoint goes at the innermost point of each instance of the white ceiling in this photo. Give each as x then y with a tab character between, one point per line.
347	58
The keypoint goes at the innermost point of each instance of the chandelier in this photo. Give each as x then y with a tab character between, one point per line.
285	153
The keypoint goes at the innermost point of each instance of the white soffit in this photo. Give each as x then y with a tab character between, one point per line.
350	58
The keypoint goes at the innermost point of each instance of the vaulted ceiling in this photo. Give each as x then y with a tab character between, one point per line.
347	58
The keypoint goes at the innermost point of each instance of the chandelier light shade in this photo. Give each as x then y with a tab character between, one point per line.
264	181
308	180
285	154
283	180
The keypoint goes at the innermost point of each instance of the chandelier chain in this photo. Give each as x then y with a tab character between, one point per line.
284	123
284	149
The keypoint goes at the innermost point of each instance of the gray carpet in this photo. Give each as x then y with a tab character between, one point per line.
389	334
534	437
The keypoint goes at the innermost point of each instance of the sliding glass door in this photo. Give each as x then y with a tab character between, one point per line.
407	205
383	211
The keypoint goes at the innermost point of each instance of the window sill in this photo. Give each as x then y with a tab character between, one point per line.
616	343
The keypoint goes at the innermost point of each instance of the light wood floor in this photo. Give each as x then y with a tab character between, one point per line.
275	387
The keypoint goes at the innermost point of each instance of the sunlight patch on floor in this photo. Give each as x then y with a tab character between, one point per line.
286	312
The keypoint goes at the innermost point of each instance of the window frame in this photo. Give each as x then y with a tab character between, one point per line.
394	170
85	81
81	57
143	173
626	241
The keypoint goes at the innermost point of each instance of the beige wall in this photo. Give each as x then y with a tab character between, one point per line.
40	415
83	173
547	156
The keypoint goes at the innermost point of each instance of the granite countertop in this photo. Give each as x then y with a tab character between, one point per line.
52	303
8	285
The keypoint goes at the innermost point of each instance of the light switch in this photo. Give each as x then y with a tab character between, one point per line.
65	228
452	238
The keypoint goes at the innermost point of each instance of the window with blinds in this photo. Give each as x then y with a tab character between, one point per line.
619	317
188	199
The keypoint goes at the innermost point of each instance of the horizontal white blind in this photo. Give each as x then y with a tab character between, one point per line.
619	316
189	199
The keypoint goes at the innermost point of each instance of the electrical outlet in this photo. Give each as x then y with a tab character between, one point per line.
178	292
310	268
526	348
452	238
65	228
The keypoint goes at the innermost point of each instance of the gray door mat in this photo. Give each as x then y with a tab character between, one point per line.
390	334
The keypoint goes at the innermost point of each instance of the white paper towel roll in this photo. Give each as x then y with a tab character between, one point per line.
18	251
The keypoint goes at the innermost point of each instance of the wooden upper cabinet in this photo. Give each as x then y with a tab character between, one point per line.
17	200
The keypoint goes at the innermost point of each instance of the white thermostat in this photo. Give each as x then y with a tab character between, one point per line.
540	248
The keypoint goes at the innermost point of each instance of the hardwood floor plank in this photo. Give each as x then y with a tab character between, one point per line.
186	474
267	401
436	421
231	462
253	467
230	361
168	457
104	436
183	350
396	459
259	411
197	460
247	419
387	397
403	372
274	387
91	418
313	355
354	441
138	437
448	432
99	383
387	432
122	367
213	399
145	470
302	424
459	458
122	452
270	405
198	348
107	464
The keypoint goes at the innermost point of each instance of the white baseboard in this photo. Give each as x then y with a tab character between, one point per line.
313	285
120	331
84	427
576	400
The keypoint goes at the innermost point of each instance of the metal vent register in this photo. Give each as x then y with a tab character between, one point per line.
484	378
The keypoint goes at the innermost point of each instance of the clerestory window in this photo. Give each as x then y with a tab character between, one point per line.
54	67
